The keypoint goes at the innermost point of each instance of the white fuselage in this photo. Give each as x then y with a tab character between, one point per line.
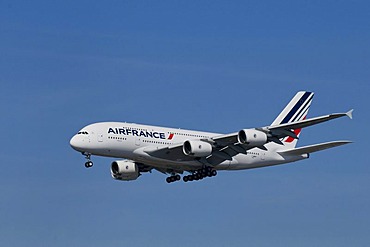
129	141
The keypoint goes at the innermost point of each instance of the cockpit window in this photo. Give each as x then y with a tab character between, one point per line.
82	133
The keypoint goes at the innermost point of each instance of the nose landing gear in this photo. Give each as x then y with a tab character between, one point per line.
88	163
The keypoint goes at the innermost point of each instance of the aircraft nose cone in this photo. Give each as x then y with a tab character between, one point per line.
75	142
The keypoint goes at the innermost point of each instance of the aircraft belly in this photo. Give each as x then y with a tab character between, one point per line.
115	149
169	165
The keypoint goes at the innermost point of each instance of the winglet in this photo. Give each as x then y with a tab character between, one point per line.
349	114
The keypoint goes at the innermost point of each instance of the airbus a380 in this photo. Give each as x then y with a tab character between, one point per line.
142	148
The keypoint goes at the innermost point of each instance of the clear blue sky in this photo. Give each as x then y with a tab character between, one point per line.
205	65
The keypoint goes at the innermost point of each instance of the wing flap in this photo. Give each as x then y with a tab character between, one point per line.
313	148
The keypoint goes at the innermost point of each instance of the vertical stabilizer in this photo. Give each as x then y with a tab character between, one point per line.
296	110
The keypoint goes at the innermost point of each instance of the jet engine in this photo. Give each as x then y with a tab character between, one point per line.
252	137
197	148
124	170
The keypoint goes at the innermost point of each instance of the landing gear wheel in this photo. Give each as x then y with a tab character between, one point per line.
174	178
88	164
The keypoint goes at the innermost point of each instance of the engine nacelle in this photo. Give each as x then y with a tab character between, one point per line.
252	137
124	170
197	148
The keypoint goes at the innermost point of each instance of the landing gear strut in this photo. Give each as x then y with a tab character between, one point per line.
88	163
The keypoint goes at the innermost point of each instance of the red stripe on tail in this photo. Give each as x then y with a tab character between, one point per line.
296	132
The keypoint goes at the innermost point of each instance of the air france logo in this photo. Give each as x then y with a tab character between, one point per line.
139	133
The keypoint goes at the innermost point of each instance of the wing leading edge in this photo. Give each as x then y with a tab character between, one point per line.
306	122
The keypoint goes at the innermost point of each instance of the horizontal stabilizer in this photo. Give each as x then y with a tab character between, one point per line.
313	148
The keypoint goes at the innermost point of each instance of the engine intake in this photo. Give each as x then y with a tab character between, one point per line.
124	170
197	148
252	137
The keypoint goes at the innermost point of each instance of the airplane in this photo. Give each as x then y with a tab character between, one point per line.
175	152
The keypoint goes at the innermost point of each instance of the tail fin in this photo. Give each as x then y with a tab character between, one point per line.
296	110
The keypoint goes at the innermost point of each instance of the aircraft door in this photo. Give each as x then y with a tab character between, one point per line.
137	141
100	137
263	156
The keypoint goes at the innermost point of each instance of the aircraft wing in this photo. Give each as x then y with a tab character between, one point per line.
313	148
283	130
171	152
175	153
226	146
229	143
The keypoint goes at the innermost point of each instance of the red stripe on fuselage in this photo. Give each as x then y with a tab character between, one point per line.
170	136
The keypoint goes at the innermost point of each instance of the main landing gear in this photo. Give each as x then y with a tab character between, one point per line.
88	163
173	178
200	174
195	176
